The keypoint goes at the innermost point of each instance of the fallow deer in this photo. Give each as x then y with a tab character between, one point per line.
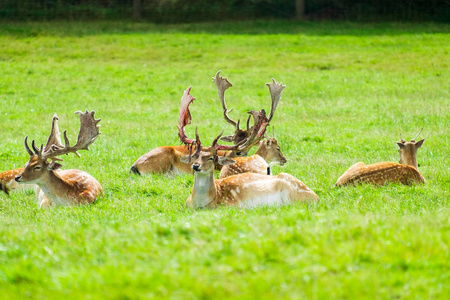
268	153
243	190
405	172
166	159
62	187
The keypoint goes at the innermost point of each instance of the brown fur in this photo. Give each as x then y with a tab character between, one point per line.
7	180
380	174
162	160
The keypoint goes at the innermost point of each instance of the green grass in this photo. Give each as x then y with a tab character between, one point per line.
352	89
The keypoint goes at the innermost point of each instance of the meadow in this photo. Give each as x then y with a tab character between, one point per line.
352	90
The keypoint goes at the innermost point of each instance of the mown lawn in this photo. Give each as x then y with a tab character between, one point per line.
352	89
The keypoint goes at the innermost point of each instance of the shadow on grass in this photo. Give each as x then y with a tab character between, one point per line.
83	28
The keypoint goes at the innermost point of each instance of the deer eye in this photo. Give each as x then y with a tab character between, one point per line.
36	168
278	149
211	158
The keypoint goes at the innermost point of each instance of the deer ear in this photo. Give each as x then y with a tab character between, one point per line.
54	166
228	138
186	159
401	145
419	144
225	160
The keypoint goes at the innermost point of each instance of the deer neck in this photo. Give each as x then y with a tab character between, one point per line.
409	159
204	191
262	151
53	185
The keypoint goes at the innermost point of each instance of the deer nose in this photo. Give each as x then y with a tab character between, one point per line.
196	167
17	178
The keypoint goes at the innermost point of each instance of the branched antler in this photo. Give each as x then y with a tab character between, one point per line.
258	130
275	92
185	116
89	131
222	85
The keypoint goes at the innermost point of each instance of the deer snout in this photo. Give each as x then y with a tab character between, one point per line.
17	178
196	167
283	161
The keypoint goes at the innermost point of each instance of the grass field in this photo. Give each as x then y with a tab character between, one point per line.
352	89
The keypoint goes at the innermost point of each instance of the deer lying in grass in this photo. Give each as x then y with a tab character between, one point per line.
405	172
268	153
243	190
62	187
166	159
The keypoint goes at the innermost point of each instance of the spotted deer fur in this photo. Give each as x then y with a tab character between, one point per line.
405	172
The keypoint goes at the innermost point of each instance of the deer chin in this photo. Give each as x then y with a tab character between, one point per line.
201	171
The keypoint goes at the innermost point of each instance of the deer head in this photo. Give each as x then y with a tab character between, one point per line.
408	151
269	149
39	164
258	117
205	158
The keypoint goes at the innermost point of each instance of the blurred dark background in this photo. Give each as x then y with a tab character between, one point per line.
182	11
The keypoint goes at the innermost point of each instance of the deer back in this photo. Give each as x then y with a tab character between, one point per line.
70	187
380	173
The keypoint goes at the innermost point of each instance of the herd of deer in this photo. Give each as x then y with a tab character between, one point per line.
243	181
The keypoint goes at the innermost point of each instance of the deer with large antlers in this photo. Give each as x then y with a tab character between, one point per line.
268	151
166	159
62	187
243	190
404	172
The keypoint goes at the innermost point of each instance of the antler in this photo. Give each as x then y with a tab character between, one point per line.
223	84
89	131
258	130
225	147
417	134
275	92
185	116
